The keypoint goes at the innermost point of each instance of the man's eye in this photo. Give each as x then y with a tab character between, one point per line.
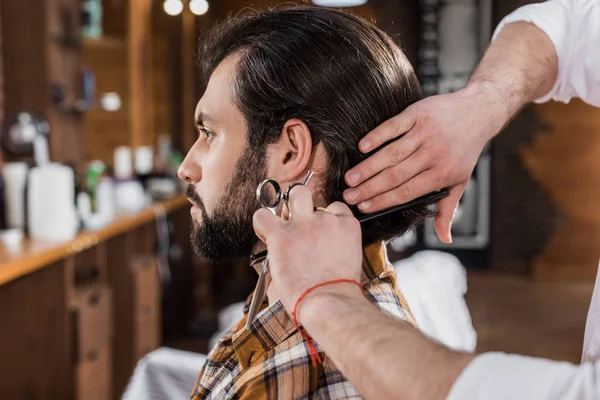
206	132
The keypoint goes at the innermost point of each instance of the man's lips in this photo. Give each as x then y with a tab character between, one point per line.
194	209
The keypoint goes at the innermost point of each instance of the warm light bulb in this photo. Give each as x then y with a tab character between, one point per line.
198	7
339	3
173	7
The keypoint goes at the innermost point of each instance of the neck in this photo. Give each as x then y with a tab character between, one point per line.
271	296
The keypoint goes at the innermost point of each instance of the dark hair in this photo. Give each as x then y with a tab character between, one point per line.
338	73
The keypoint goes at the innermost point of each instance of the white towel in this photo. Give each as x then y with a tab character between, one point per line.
434	284
165	374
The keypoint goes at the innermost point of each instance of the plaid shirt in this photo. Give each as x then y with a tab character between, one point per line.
271	360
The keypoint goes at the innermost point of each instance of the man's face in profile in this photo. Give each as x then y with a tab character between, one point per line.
222	173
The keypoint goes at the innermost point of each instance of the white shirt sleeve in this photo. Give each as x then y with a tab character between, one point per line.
495	376
574	28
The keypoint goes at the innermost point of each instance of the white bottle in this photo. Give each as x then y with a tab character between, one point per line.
51	203
15	177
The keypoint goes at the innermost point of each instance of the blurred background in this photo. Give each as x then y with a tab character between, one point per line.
96	271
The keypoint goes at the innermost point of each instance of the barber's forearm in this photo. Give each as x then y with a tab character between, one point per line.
382	357
520	66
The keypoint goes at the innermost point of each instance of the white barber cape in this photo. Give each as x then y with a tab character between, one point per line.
574	28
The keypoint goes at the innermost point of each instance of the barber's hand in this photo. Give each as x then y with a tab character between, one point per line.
443	138
311	247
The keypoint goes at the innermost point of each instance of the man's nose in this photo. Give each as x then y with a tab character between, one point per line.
189	171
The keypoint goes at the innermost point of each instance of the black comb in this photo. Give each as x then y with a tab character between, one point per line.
428	199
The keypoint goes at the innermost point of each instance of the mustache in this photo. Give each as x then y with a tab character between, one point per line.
191	194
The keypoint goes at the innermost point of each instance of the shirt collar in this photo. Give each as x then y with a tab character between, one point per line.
273	325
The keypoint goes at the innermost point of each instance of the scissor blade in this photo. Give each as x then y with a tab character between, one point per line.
258	257
259	294
308	178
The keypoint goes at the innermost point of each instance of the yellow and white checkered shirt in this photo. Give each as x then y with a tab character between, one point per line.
272	361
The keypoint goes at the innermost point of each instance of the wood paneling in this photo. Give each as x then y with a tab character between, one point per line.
94	381
35	352
153	71
115	14
565	160
28	76
34	60
119	277
399	19
147	293
133	275
162	88
188	89
122	62
165	72
517	315
1	74
105	131
64	337
139	37
65	68
523	215
178	296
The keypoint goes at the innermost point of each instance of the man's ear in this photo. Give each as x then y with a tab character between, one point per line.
291	155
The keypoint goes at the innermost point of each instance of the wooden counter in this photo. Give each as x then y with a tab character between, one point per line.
78	315
31	255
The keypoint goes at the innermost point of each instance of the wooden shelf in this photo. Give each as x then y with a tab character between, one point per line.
32	255
105	43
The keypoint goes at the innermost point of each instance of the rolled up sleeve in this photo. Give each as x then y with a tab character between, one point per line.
573	26
495	376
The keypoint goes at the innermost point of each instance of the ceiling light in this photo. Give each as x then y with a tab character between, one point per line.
339	3
173	7
198	7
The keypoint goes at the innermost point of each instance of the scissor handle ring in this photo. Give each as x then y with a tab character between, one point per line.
286	195
277	189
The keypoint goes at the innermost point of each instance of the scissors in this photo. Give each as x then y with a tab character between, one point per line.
430	198
270	196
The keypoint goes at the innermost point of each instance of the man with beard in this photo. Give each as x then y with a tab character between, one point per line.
289	90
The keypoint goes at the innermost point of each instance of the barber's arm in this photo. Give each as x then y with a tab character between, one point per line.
573	26
540	52
388	359
382	357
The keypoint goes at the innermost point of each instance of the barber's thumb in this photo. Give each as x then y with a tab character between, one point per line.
266	224
300	201
445	214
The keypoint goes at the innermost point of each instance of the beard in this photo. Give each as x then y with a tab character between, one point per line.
228	233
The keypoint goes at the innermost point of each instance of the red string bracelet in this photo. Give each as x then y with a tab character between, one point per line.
314	354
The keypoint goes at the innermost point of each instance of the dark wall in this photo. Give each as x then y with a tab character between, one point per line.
523	216
1	75
400	19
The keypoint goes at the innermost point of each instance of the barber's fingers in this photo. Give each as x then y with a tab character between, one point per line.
416	187
300	201
390	129
339	209
393	154
266	224
389	178
445	212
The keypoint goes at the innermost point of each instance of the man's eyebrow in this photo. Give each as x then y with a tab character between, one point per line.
202	118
